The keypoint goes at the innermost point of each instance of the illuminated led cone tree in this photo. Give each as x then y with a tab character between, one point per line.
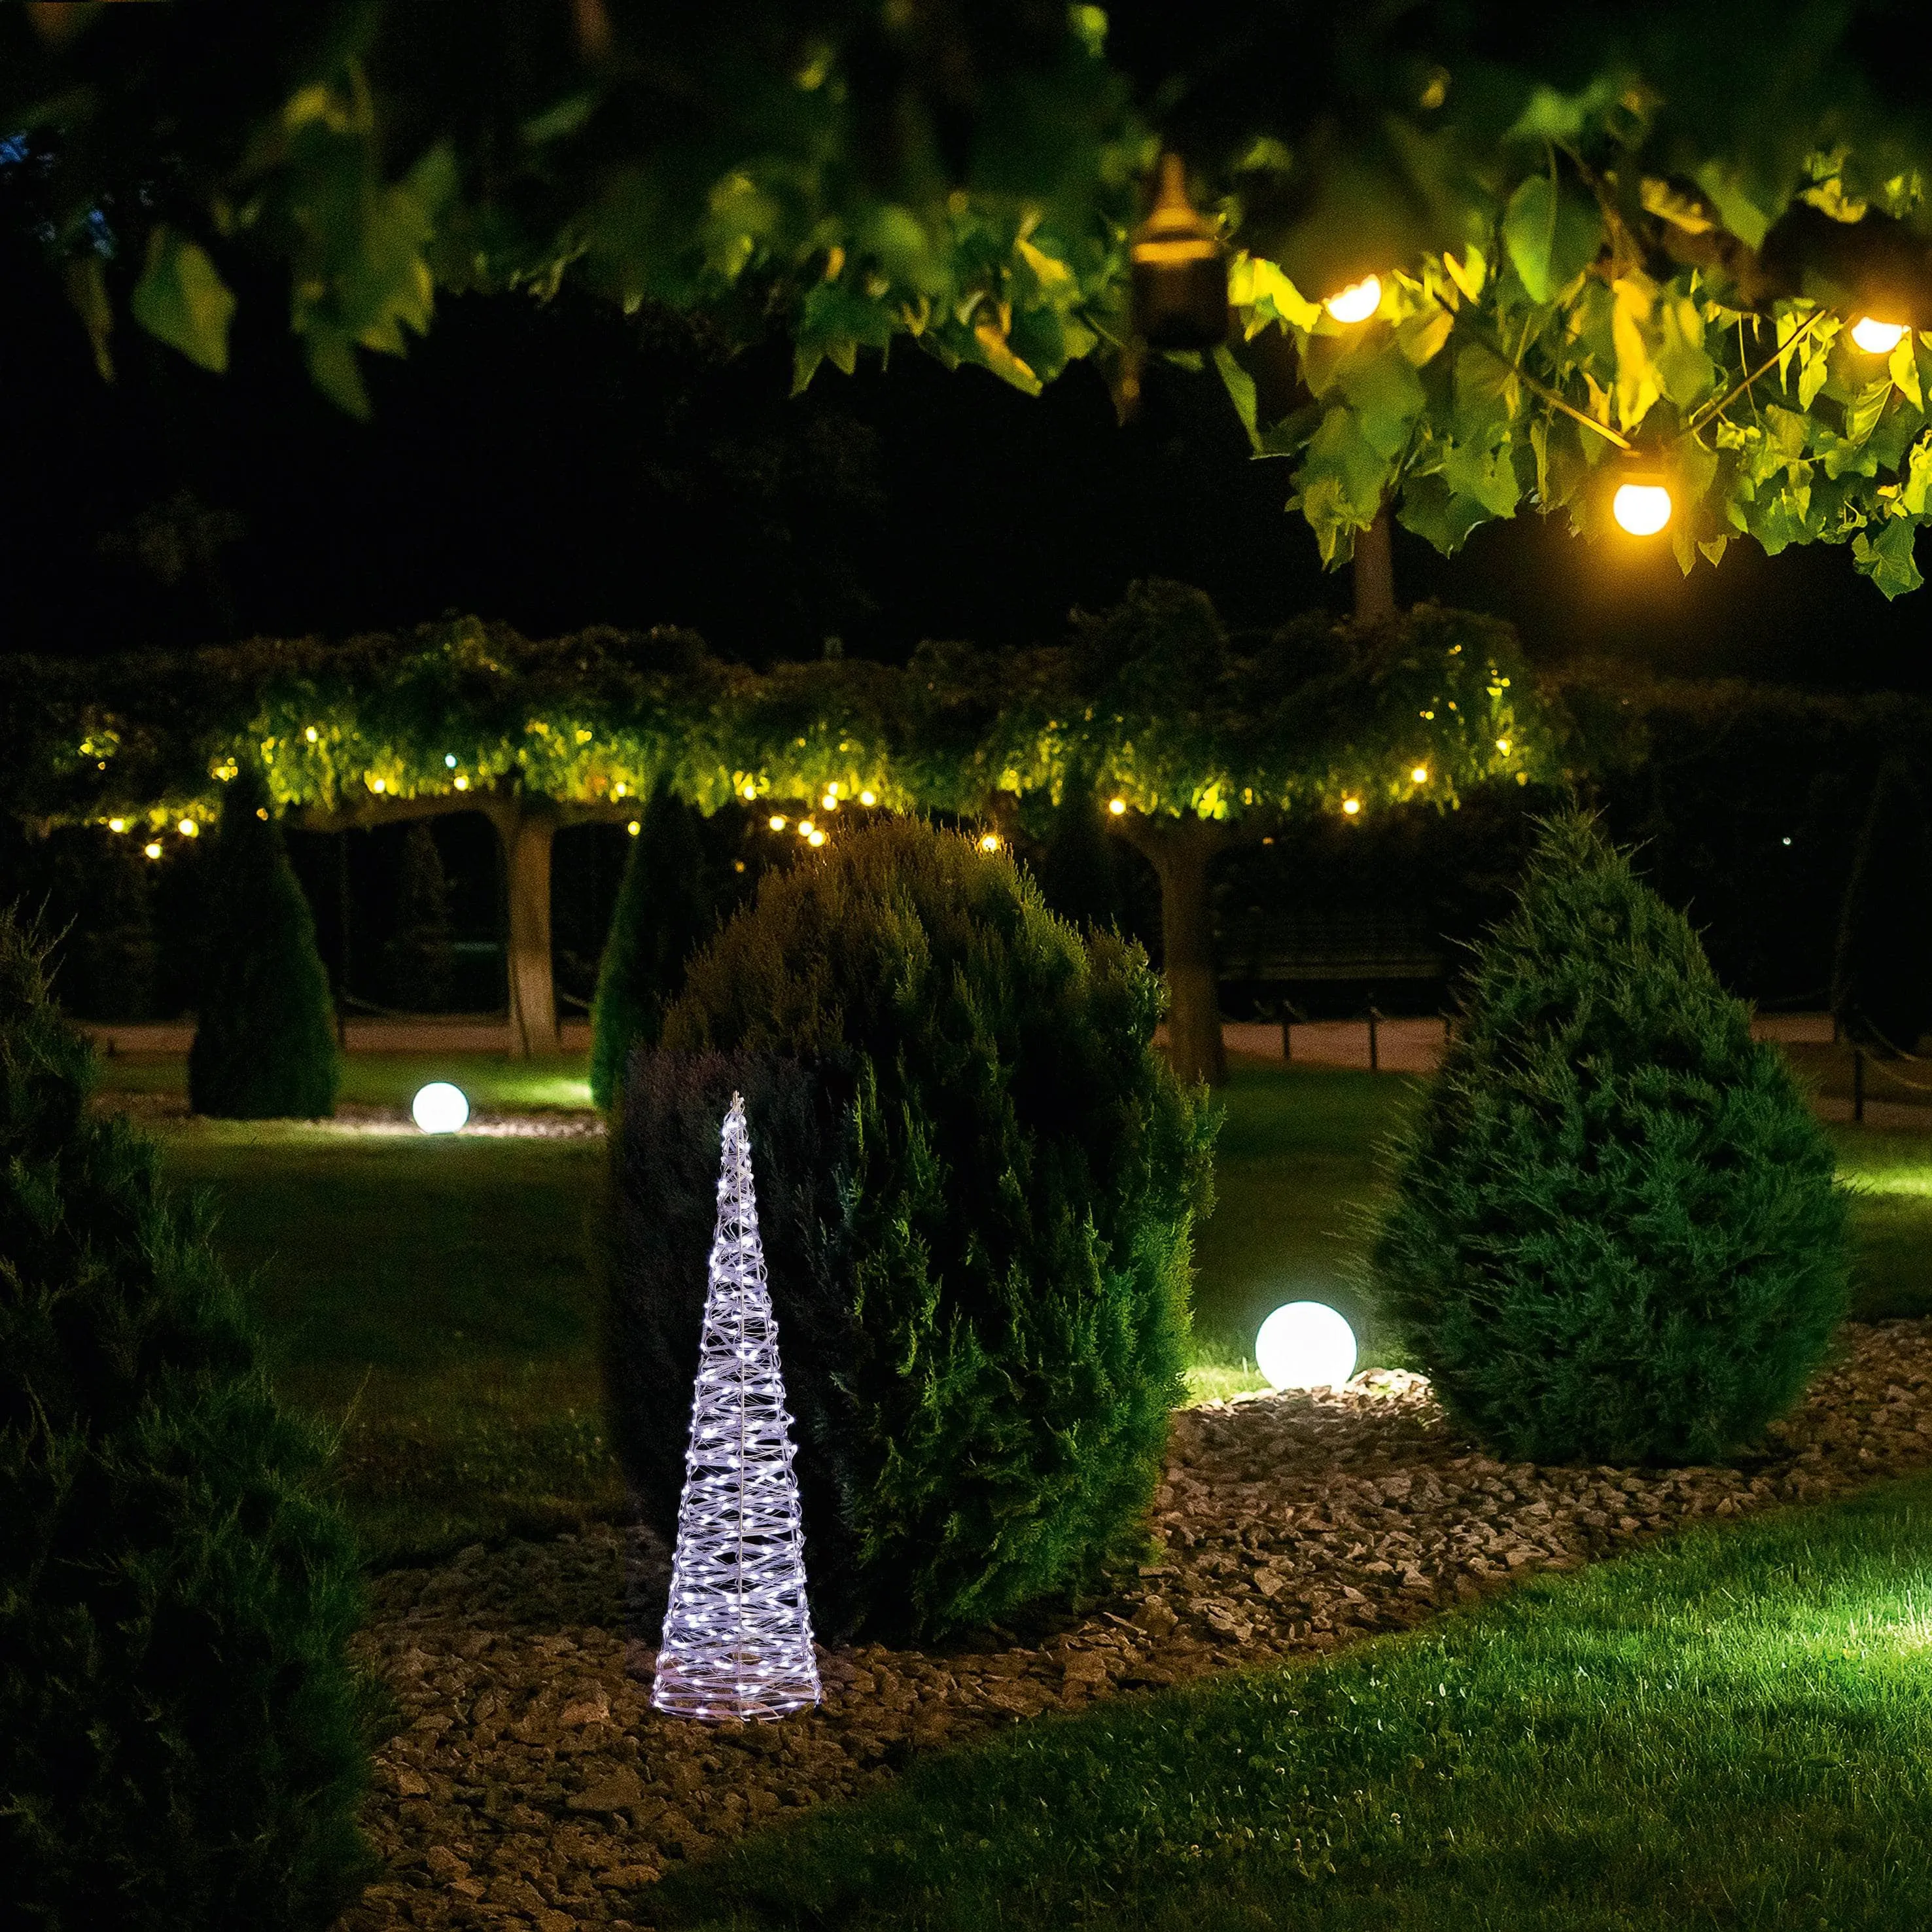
737	1636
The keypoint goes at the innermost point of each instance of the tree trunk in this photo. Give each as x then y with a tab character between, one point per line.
525	828
1375	570
1181	850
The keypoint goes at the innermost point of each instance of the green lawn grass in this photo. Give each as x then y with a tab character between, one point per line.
1729	1731
433	1296
493	1081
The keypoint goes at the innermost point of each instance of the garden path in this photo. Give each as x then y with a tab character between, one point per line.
531	1786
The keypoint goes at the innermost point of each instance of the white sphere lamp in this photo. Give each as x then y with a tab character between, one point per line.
440	1107
1306	1344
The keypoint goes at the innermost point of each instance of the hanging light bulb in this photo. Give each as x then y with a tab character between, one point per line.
1642	506
1358	301
1179	271
1876	338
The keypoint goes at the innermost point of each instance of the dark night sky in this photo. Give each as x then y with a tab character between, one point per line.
561	466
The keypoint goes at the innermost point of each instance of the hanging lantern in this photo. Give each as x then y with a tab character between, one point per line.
1179	271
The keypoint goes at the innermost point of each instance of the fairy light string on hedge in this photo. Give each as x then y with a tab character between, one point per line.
737	1635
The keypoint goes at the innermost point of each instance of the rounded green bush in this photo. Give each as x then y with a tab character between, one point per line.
1615	1235
181	1738
1001	1224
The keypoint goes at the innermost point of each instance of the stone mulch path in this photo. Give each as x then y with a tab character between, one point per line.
531	1786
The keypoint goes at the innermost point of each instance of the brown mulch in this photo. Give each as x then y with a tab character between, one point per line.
532	1785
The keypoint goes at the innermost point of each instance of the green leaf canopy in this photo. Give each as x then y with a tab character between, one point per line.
1607	243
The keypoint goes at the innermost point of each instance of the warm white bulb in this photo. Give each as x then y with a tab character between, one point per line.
868	798
1420	775
636	826
1876	338
1118	807
440	1107
814	838
188	829
1642	509
1306	1344
1358	301
776	823
1351	806
990	842
152	848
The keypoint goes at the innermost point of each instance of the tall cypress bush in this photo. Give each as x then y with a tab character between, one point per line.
1615	1235
418	955
981	1181
265	1037
666	908
181	1737
1882	974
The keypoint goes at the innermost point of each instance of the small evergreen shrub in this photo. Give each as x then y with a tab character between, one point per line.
418	955
1615	1234
181	1737
1881	975
264	1038
977	1181
667	907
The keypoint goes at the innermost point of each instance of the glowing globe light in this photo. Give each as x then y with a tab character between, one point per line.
868	798
440	1107
1305	1345
989	842
1351	806
1358	301
1876	338
1117	806
814	838
1642	509
1421	774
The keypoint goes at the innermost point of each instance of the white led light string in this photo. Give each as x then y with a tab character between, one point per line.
737	1634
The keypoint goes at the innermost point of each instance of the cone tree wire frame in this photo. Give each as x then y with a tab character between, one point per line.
737	1633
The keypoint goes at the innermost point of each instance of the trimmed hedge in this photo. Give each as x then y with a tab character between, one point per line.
180	1735
1615	1235
265	1044
977	1183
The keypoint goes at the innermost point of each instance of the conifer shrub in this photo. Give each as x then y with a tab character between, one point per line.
181	1739
1616	1236
666	908
419	954
1882	973
977	1182
264	1045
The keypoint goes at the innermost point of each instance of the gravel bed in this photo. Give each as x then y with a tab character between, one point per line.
530	1785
